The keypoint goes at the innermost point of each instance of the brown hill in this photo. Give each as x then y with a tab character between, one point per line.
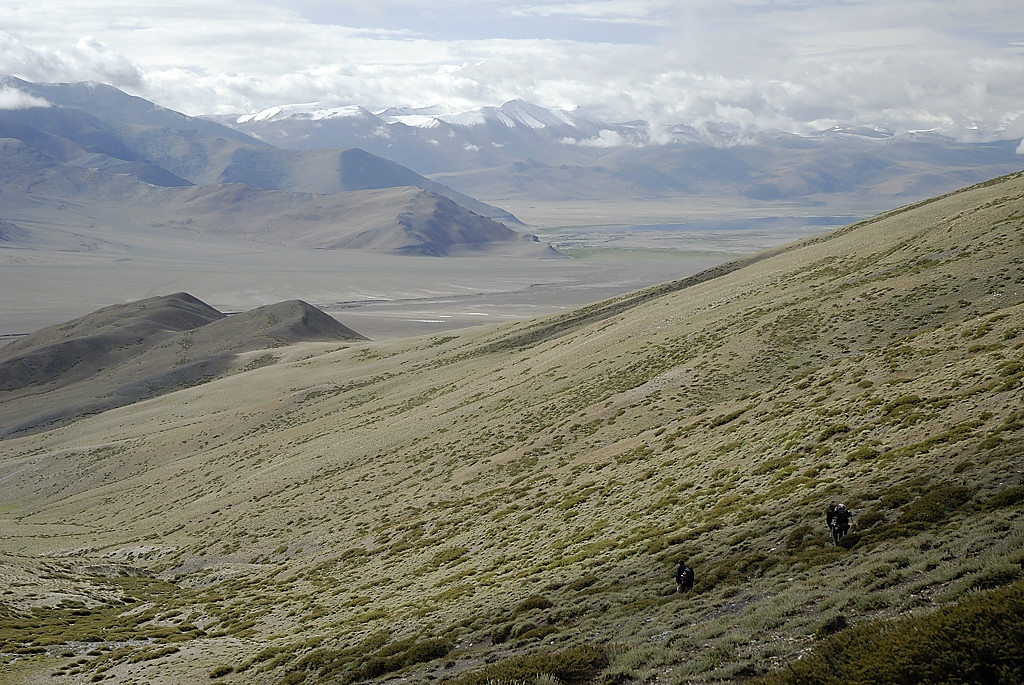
124	353
405	220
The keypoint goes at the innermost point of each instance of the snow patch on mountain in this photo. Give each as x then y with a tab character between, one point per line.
309	112
512	114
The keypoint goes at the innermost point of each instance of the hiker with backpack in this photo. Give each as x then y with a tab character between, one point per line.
684	578
840	522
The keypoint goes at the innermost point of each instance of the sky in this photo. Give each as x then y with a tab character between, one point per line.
797	65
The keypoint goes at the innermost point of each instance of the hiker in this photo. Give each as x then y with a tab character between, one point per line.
842	521
684	578
830	513
839	522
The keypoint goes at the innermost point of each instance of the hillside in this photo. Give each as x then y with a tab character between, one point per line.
508	503
126	353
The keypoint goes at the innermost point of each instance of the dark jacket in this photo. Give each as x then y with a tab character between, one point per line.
684	576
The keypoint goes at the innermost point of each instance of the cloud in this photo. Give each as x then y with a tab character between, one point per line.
604	138
789	64
651	12
87	60
12	98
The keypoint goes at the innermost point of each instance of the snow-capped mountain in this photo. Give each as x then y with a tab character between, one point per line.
523	150
443	139
308	112
512	114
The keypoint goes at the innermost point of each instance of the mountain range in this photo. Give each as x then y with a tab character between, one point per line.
96	145
514	156
507	503
525	152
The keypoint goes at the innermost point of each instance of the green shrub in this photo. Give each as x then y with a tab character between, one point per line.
898	495
901	403
995	577
573	665
832	626
221	671
582	583
501	633
536	632
1010	497
797	536
534	602
850	541
979	640
737	570
936	505
406	653
368	659
863	454
869	519
833	430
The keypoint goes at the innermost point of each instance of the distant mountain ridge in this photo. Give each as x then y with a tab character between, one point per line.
517	151
439	139
572	154
98	126
96	144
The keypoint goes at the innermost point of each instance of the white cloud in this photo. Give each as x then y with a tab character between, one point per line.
604	138
792	64
12	98
652	12
87	60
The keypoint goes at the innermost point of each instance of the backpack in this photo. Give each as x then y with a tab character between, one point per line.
842	517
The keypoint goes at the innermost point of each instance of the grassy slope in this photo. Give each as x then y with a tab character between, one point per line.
526	489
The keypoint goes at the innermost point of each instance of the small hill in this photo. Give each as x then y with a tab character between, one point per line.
284	323
404	220
68	352
508	503
125	353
